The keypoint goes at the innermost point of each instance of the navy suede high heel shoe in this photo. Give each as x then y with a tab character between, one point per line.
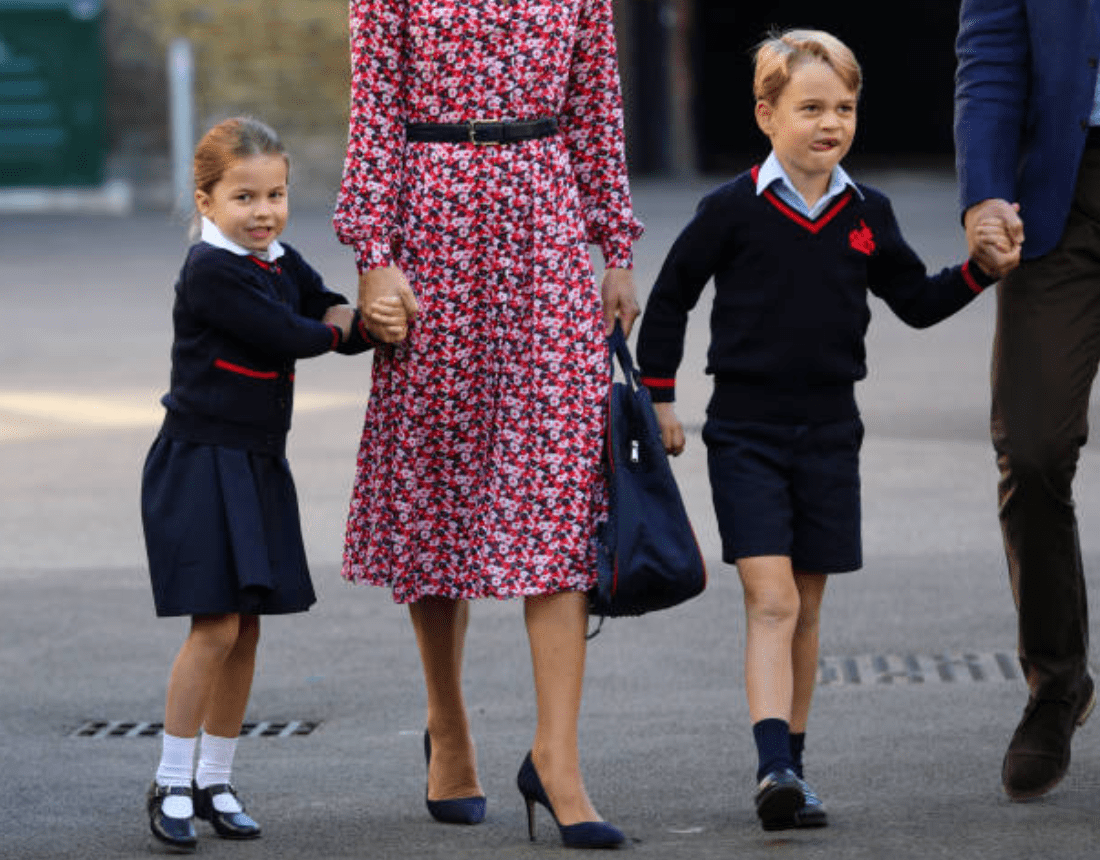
462	810
585	834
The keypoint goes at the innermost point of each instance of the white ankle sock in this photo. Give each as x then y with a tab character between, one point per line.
216	767
177	758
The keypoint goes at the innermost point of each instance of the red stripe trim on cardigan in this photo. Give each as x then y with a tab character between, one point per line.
337	336
245	371
655	382
264	264
801	220
968	276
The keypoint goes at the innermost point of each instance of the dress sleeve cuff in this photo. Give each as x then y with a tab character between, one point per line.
618	253
373	254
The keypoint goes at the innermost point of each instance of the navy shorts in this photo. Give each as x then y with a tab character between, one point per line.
789	490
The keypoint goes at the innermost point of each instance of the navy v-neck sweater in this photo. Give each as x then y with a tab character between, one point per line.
790	308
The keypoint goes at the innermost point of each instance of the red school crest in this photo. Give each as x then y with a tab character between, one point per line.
862	239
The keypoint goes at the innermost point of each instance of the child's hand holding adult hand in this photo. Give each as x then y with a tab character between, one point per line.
672	431
387	303
386	318
994	235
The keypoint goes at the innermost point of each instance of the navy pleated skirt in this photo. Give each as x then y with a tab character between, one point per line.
222	531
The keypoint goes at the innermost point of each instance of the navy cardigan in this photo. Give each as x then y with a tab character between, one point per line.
239	324
790	307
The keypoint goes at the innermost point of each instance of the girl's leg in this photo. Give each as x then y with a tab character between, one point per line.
196	671
190	687
232	687
222	724
440	625
811	590
556	628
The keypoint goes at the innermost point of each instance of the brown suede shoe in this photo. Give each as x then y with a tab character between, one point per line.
1038	754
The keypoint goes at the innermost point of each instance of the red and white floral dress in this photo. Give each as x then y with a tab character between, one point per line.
479	469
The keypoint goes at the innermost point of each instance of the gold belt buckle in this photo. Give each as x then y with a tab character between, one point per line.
472	126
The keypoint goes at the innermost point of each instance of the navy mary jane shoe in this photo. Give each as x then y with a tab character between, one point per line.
228	825
177	832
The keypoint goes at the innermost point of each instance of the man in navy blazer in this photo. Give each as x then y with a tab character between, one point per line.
1027	134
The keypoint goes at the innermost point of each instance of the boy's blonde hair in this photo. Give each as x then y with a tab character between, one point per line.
780	54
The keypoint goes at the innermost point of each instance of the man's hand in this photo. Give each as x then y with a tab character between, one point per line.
620	299
994	235
386	320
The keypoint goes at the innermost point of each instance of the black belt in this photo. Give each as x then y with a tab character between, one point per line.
483	132
1092	140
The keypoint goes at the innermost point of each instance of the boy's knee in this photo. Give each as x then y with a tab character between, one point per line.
773	605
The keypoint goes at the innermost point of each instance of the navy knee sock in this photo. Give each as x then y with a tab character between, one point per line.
798	744
773	745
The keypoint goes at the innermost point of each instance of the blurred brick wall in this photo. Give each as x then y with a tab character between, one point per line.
285	62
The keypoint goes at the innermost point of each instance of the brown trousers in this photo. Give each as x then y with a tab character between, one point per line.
1045	357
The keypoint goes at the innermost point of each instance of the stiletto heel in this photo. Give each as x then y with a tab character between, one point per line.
585	834
462	810
530	817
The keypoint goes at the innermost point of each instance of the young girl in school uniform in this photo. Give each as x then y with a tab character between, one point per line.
218	502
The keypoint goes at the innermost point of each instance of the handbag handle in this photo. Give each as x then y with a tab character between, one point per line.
617	348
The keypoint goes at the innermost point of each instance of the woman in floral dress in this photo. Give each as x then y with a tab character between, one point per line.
479	470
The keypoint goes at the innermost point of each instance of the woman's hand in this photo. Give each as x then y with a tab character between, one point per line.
672	431
387	303
620	299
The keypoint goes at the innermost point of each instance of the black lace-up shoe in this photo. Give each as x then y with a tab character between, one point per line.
812	813
778	797
1038	754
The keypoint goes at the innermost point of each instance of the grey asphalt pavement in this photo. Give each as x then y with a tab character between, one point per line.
919	692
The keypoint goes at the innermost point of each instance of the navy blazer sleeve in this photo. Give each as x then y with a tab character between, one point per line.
239	303
991	97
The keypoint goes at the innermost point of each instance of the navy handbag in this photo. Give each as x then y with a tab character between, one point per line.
648	556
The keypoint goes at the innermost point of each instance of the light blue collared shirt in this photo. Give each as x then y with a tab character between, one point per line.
211	235
1094	117
772	175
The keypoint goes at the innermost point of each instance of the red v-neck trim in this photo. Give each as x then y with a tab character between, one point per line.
269	265
815	226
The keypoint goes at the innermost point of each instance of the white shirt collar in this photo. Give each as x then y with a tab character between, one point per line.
213	236
771	172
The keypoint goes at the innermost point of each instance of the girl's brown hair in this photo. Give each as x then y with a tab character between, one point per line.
229	141
780	54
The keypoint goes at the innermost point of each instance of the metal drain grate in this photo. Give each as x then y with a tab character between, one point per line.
887	669
124	729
